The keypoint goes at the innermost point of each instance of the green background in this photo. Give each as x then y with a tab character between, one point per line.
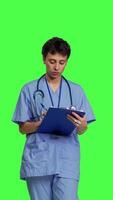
87	26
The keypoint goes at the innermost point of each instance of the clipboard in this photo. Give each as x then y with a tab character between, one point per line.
56	122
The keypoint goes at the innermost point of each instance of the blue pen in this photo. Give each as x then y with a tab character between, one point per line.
44	107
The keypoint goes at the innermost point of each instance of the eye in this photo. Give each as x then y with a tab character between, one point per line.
52	61
62	63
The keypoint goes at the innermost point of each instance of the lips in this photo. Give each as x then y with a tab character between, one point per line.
55	73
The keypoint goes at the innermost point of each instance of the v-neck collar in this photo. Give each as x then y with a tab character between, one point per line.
58	88
51	92
56	91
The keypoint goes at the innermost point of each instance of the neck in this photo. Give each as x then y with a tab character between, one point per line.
53	80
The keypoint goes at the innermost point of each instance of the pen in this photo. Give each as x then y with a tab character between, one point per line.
44	107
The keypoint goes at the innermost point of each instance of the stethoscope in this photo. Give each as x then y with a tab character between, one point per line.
38	92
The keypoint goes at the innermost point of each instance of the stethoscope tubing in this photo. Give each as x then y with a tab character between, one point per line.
42	93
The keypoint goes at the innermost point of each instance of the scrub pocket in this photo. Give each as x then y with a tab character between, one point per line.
36	151
70	159
70	153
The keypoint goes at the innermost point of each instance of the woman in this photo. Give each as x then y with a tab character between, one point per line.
50	162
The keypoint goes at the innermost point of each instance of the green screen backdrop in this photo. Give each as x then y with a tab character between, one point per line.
87	26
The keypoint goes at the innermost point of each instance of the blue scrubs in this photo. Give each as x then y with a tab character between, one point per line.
52	188
46	154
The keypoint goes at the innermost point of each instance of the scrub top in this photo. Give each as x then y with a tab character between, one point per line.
46	154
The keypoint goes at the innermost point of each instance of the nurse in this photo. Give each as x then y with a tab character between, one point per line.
51	163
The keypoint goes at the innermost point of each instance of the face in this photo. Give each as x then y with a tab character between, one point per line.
55	64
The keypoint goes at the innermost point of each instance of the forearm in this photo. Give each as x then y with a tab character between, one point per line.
29	127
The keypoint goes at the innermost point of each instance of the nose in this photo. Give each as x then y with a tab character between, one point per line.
56	66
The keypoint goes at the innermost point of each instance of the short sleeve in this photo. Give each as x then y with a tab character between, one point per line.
86	107
22	111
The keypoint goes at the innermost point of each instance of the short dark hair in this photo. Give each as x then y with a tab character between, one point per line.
56	45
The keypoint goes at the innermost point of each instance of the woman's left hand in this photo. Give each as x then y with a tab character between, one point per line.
79	122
